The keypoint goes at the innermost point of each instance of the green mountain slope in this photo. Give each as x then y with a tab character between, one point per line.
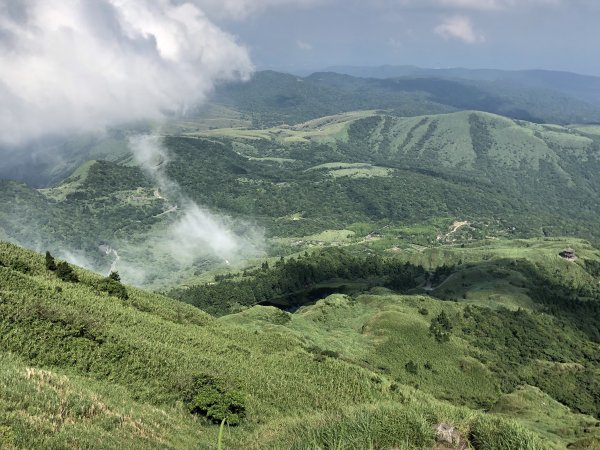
508	178
272	98
582	87
81	367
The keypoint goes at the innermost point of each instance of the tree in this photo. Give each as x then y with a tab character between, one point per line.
112	287
50	263
440	327
65	272
114	275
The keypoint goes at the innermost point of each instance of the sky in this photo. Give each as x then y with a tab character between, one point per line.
83	65
505	34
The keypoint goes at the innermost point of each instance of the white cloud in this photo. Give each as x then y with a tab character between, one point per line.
303	45
473	5
196	232
240	9
458	27
70	65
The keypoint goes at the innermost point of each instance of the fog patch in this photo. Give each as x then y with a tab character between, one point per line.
70	66
189	237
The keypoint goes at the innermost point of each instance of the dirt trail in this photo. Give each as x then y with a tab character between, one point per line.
428	286
170	210
453	229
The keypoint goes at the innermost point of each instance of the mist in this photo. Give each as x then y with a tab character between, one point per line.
195	231
74	67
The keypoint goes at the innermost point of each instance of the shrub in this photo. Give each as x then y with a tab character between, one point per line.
22	267
321	354
208	398
65	272
112	287
440	327
50	263
114	275
411	367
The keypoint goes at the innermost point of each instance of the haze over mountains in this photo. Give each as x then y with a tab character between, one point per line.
273	98
583	87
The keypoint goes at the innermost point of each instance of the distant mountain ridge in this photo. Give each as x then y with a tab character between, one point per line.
273	98
582	87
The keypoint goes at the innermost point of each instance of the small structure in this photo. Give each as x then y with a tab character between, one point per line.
568	253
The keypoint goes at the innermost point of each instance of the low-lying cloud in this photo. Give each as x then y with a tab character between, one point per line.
73	65
459	27
195	232
241	9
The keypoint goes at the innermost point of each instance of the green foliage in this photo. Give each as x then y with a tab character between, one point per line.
507	178
21	266
440	327
494	434
412	367
134	366
296	281
50	262
66	273
207	397
114	276
517	341
112	287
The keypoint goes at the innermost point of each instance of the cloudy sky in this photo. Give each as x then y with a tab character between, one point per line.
72	65
512	34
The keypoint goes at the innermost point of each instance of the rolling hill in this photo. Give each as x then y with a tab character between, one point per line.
510	178
583	87
273	98
82	367
397	275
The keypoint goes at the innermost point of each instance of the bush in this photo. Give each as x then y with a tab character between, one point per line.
112	287
441	327
411	367
208	398
50	263
114	275
22	267
65	272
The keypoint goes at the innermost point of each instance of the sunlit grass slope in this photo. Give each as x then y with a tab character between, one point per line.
84	369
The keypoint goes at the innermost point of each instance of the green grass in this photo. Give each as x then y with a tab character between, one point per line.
46	409
133	359
540	412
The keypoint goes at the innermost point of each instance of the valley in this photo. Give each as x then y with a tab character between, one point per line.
322	271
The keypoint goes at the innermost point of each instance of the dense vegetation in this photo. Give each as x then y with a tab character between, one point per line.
273	98
517	179
301	275
81	368
410	278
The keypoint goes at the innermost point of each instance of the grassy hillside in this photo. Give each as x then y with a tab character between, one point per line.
272	98
85	368
411	176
